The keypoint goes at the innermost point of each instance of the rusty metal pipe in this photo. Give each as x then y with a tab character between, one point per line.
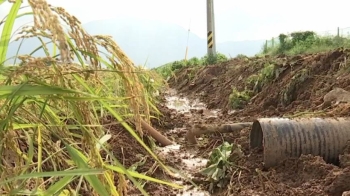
281	138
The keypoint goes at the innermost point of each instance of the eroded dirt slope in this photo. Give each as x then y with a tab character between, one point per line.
297	83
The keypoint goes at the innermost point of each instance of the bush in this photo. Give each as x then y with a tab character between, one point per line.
194	62
168	69
255	82
177	65
210	60
238	99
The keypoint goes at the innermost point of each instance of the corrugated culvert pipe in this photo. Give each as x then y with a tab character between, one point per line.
281	138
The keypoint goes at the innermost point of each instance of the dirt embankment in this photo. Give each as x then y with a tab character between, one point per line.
276	85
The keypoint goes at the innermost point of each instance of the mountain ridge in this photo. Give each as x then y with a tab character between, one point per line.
149	42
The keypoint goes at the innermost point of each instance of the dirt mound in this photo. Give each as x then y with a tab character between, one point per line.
214	82
306	175
276	85
303	176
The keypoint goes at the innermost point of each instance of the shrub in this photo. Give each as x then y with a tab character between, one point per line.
238	99
211	59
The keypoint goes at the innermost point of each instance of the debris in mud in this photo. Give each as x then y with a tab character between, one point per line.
340	183
336	96
199	129
168	119
129	152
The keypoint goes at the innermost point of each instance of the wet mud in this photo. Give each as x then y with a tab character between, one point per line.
202	96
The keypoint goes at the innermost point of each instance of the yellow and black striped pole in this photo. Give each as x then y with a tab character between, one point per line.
210	29
210	39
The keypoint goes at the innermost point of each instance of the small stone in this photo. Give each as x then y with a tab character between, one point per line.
346	193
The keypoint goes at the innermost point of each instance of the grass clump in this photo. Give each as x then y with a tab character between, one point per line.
169	69
238	99
267	73
255	82
210	59
51	129
289	94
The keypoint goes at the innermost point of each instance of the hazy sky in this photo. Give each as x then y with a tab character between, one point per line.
235	19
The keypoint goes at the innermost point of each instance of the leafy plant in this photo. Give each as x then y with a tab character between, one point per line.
177	65
238	99
211	59
256	81
222	159
194	62
268	72
289	93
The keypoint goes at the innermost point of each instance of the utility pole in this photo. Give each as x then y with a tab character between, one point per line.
211	43
188	37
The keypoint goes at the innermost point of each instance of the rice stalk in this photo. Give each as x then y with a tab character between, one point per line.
50	128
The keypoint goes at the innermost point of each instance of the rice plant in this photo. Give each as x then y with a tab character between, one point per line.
51	135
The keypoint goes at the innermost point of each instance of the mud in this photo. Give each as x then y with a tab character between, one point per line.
177	115
130	153
201	96
297	87
307	175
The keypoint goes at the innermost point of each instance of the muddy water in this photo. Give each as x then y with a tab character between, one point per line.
190	163
183	105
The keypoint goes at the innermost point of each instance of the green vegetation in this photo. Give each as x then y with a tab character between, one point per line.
242	56
305	42
253	85
255	82
289	93
169	69
51	127
238	99
222	161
